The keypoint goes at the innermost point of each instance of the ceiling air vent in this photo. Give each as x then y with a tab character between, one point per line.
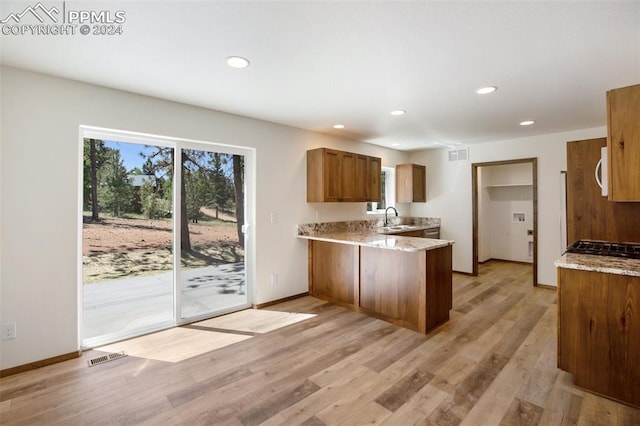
459	154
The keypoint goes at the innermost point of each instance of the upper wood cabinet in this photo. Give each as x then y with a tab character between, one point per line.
340	176
590	216
411	183
623	143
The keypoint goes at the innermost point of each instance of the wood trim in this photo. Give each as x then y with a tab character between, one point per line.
505	260
275	302
425	304
356	275
310	264
474	202
534	171
546	287
37	364
474	208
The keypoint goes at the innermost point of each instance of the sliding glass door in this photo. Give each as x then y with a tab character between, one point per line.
127	239
163	239
212	274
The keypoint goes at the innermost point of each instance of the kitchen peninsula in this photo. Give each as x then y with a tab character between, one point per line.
405	280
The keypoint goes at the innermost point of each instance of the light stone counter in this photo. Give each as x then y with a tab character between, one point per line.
371	239
604	264
370	225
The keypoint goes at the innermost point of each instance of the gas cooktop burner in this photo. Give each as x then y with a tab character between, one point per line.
602	248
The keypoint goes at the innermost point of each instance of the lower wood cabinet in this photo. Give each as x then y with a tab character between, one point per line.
410	289
334	272
396	286
599	332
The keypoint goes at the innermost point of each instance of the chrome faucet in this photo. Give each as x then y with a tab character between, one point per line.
386	219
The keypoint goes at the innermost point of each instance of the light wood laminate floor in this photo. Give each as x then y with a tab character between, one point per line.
312	363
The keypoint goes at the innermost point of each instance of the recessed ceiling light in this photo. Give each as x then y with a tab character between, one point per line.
237	62
398	112
486	90
395	144
338	126
527	123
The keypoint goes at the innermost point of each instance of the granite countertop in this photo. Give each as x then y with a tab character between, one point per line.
605	264
374	239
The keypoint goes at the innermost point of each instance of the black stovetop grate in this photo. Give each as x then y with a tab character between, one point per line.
603	248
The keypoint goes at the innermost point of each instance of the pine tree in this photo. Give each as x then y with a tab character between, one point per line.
115	190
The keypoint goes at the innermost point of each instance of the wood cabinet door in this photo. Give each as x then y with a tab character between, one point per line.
334	176
590	216
374	174
623	143
334	272
404	183
599	332
331	175
396	293
347	186
361	187
411	183
419	183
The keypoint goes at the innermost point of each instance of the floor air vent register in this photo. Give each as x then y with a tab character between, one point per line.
106	358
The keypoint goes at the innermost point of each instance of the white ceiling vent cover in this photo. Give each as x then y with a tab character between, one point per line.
459	154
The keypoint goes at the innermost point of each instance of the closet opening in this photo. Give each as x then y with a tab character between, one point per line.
505	212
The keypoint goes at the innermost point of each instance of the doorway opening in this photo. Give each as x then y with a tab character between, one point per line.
163	233
505	212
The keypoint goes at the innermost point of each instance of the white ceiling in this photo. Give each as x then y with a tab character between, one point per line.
316	64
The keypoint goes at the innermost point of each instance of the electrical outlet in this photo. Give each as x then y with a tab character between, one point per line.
274	279
8	330
274	217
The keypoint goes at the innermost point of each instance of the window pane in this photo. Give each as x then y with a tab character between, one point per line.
212	246
126	239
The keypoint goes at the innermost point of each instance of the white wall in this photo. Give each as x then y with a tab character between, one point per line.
509	240
39	176
449	192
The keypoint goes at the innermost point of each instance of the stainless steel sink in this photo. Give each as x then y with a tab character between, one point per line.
398	228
